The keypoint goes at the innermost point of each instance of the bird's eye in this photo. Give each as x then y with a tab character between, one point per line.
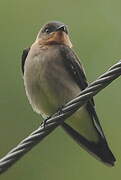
47	30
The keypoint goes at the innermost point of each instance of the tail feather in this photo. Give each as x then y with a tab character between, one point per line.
99	150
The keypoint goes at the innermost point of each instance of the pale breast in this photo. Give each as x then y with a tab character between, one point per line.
47	82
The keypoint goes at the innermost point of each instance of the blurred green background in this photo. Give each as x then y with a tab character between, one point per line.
95	29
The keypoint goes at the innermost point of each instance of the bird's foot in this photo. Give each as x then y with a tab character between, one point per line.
59	110
43	124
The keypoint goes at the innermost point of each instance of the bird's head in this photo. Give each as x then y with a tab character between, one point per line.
54	33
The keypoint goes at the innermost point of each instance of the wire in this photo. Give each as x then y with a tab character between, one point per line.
51	123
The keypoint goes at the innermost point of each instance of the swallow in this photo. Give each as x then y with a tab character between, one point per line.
53	75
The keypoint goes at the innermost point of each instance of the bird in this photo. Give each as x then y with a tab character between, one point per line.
53	75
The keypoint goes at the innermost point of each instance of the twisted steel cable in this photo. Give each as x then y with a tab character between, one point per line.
51	123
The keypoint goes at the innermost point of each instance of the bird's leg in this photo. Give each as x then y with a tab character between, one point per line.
59	110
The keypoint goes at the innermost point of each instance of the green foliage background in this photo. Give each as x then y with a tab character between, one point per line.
95	30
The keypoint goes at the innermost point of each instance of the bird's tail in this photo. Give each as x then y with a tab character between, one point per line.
100	150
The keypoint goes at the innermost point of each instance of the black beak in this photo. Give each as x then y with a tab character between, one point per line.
62	28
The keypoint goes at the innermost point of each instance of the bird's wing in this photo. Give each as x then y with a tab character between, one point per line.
100	148
76	69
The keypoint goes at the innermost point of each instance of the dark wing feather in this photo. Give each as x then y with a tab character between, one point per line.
76	70
23	58
101	148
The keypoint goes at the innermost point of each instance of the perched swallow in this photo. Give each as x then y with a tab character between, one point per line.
53	75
